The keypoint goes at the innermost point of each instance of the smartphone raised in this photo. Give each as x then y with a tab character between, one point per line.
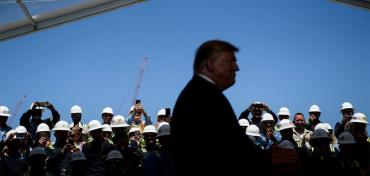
137	102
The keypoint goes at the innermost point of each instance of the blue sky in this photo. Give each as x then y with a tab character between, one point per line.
292	53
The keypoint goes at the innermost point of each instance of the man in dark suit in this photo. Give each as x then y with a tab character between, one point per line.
205	132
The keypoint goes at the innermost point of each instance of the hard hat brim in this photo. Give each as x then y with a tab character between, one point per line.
96	128
358	121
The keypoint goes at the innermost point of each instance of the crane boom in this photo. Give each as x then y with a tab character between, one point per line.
139	80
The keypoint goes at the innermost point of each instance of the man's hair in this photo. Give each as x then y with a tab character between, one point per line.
298	113
209	48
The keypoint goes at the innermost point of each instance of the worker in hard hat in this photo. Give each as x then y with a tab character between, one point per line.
286	129
358	125
135	120
107	132
133	159
76	115
347	111
78	164
36	161
329	130
165	148
243	123
4	128
43	136
268	134
114	163
283	113
348	165
321	161
95	150
253	133
35	112
257	109
314	118
76	138
12	160
58	162
163	115
301	135
151	153
107	115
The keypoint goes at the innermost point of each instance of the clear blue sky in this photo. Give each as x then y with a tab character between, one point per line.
292	53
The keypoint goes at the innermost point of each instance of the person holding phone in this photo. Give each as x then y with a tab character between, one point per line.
135	116
33	117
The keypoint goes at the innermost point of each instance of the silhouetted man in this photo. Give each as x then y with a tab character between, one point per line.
206	136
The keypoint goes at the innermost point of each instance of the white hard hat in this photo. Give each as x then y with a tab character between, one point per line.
285	124
149	129
161	112
328	126
21	129
320	133
76	109
314	108
359	118
61	125
162	123
346	105
267	117
94	125
284	111
118	121
114	154
253	130
286	144
4	111
107	110
322	126
243	122
43	127
133	129
37	107
346	138
164	130
107	128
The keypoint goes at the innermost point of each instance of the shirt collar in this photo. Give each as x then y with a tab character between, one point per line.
206	78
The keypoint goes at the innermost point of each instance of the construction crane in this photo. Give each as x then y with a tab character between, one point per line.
137	86
19	105
17	108
139	80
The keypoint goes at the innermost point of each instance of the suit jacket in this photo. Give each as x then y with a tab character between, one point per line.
206	136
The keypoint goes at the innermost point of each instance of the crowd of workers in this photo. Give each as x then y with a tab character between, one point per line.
137	146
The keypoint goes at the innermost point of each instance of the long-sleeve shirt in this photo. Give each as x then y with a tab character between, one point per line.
31	124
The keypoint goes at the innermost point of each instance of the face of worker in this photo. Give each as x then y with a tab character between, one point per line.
347	114
107	118
299	121
223	69
3	120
